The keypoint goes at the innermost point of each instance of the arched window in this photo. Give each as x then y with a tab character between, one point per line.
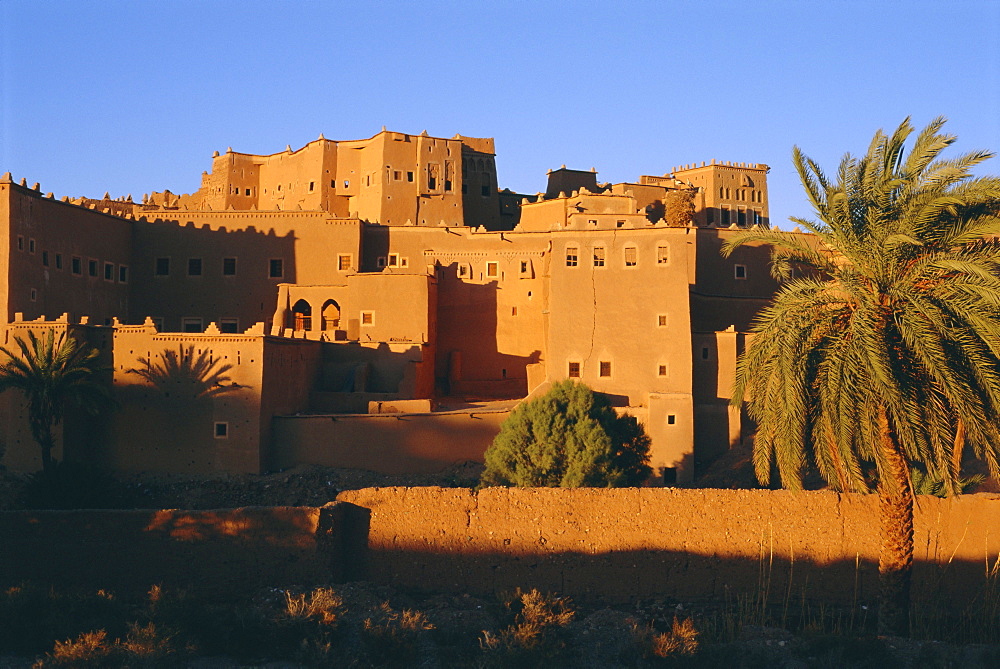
331	315
301	316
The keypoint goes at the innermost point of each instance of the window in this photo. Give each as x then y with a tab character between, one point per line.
524	267
76	265
741	218
312	186
662	255
229	267
447	185
661	370
31	246
572	257
109	271
276	268
485	190
346	184
122	274
194	266
463	271
92	267
574	370
58	261
368	318
605	368
191	325
34	295
671	419
222	430
513	311
704	353
725	217
380	261
599	256
619	224
45	258
740	271
757	218
397	175
431	183
247	191
162	267
393	260
20	243
333	183
229	325
630	256
344	262
409	177
592	221
661	320
493	269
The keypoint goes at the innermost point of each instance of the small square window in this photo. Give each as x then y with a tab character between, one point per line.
661	320
333	183
740	271
247	191
192	325
31	246
92	267
485	190
20	242
312	186
661	370
599	256
592	222
524	267
619	224
58	261
605	368
276	268
45	258
162	267
194	266
574	370
409	177
397	175
447	185
346	184
222	430
380	261
34	295
631	256
76	265
671	419
572	257
704	353
368	318
229	267
109	271
229	325
393	260
662	255
463	271
122	274
493	269
344	262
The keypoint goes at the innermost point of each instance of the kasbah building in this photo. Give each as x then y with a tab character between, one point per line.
382	304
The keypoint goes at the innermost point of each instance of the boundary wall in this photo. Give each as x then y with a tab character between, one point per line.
612	546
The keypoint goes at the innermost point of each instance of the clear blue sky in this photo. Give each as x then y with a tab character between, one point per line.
134	96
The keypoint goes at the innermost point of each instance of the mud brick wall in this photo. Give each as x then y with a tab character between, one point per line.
217	553
687	545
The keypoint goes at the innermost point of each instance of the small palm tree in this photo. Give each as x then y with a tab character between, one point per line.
882	348
53	373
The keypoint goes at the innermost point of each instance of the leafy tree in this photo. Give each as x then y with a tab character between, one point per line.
881	349
53	373
569	437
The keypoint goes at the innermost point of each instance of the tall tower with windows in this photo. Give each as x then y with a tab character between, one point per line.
729	194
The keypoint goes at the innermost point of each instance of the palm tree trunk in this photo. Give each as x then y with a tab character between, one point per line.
895	564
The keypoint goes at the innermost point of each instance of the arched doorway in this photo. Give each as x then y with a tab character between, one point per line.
331	315
301	316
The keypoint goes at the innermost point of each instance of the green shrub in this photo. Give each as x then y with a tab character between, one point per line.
569	437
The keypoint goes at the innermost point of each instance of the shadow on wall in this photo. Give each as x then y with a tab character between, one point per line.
191	266
186	374
469	360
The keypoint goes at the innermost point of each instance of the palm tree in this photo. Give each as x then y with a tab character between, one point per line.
882	349
52	373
